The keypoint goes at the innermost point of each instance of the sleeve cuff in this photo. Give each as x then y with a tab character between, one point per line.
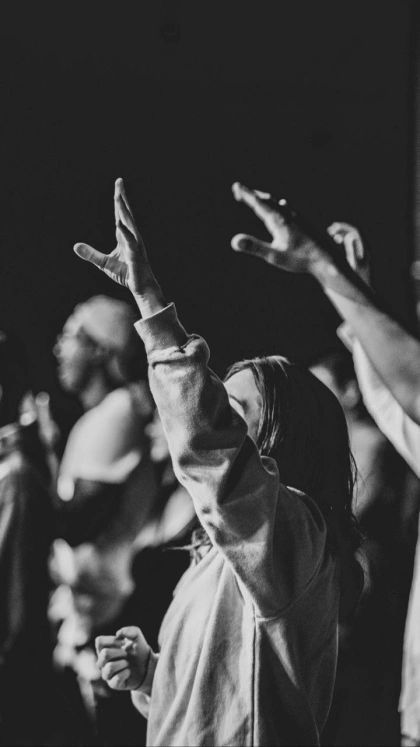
162	330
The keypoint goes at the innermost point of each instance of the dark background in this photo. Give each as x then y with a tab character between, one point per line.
313	100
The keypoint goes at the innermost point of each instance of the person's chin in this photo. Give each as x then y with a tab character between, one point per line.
66	380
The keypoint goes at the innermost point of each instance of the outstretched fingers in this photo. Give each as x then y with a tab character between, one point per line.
88	253
123	211
251	245
125	218
110	264
261	203
127	242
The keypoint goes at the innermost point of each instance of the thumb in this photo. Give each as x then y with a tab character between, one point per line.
130	631
250	245
84	251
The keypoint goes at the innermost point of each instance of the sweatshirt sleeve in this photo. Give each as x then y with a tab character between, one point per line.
395	424
274	538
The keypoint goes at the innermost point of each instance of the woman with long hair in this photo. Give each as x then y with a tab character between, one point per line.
248	647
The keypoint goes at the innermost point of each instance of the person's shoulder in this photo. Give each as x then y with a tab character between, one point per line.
114	412
129	402
104	435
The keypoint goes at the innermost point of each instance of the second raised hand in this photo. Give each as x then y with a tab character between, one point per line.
128	263
290	249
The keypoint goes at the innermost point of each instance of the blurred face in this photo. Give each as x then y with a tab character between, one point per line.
245	398
74	352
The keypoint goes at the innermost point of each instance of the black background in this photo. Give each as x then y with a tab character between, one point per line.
313	100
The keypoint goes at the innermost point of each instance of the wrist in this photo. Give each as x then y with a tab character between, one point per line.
145	685
322	267
148	296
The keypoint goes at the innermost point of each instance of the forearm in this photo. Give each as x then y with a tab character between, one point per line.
394	353
148	295
389	416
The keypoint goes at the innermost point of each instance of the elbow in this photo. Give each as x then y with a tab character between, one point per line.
213	449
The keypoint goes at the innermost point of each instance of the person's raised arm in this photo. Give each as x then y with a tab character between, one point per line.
394	352
395	424
236	493
127	264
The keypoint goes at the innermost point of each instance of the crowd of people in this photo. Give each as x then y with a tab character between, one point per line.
208	561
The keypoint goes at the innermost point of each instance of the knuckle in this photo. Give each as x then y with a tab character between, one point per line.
117	682
107	671
102	658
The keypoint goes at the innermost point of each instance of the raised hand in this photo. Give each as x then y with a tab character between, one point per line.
290	249
128	263
123	658
356	254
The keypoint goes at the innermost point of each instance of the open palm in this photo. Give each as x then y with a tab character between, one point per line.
290	249
127	264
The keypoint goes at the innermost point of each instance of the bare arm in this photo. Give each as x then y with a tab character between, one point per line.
394	353
395	424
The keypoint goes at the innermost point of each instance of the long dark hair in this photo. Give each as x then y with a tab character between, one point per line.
302	426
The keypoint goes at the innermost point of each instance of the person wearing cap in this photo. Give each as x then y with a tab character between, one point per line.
106	483
97	350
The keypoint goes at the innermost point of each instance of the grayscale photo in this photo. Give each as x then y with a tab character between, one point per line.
210	374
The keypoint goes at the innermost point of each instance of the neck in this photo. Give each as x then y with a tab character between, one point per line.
95	391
